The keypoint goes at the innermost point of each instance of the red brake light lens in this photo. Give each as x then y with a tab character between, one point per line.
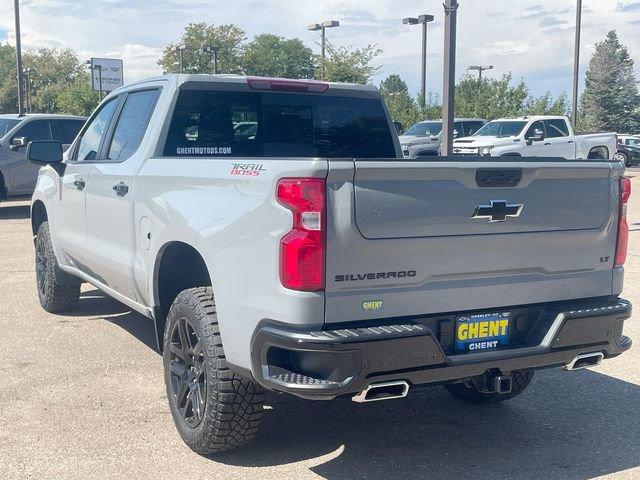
302	250
622	242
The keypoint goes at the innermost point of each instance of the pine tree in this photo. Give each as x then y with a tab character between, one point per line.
611	101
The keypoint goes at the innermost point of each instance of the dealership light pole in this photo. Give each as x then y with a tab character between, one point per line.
180	49
16	10
314	27
424	20
214	56
28	97
449	77
576	64
480	69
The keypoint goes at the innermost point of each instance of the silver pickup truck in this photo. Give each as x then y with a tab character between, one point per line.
309	258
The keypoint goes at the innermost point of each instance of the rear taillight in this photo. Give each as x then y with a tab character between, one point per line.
623	228
302	249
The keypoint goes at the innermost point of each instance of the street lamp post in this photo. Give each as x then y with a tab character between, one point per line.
99	69
314	27
424	20
28	97
480	69
449	77
16	10
214	56
180	49
576	64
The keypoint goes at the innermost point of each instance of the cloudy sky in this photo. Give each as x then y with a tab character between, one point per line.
531	39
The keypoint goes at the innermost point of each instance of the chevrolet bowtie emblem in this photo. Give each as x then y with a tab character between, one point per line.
498	211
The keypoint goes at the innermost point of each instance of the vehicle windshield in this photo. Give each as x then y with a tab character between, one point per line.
501	129
424	129
6	125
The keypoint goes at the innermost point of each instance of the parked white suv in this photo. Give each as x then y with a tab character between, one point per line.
536	136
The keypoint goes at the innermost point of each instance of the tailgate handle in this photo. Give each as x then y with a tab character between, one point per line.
498	177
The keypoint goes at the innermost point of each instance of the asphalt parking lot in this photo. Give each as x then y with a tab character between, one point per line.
82	396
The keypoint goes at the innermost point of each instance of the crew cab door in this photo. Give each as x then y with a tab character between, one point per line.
69	212
110	224
559	142
536	146
24	173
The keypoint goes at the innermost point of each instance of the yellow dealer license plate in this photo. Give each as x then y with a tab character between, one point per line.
483	331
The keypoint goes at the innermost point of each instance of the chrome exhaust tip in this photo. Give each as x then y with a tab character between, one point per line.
585	360
382	391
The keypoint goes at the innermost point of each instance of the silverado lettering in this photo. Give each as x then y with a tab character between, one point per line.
357	277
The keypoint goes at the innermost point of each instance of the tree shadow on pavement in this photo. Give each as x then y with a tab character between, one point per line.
567	425
14	212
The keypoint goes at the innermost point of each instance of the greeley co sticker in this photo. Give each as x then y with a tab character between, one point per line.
372	305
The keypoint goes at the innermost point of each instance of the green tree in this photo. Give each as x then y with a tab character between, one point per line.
547	105
77	98
401	106
610	100
8	89
269	55
228	39
349	64
490	98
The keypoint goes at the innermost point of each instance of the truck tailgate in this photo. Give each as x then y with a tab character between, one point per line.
412	238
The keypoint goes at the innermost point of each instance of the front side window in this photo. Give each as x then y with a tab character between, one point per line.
92	136
65	131
502	129
252	124
536	129
36	130
132	124
556	128
424	129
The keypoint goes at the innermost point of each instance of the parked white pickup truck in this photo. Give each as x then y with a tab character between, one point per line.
536	136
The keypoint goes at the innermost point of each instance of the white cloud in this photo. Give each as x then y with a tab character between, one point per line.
531	41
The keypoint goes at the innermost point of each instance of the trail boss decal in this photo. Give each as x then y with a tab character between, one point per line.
358	277
247	169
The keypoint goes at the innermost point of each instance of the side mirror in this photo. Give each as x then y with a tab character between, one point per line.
17	142
455	133
538	136
44	152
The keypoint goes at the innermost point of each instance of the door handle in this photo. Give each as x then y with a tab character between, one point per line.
79	184
121	189
570	141
547	144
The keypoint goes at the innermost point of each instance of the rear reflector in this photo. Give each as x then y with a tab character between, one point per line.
302	250
284	85
623	227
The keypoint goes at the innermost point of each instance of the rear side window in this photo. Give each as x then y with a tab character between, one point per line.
556	128
132	124
472	127
65	131
252	124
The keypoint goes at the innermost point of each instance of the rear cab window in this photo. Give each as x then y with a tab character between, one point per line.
264	124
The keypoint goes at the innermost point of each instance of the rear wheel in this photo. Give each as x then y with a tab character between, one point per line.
213	408
469	391
57	290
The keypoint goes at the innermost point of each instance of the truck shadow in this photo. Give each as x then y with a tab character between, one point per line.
574	426
14	212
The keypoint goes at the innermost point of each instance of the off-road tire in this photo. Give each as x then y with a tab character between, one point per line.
58	291
468	393
232	405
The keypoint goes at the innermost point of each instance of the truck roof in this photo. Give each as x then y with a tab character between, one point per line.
15	116
530	117
457	119
179	79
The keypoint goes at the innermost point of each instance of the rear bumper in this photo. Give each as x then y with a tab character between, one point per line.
325	364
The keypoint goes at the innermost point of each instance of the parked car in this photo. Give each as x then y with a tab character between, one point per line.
17	175
629	140
627	154
423	138
313	260
536	136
